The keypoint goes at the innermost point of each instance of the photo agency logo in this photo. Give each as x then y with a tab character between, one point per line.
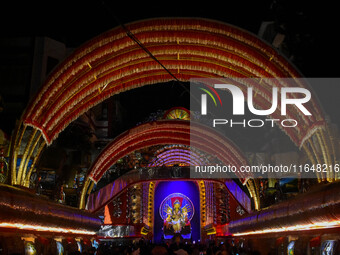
243	103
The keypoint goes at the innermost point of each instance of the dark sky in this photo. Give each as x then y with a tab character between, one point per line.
77	21
73	22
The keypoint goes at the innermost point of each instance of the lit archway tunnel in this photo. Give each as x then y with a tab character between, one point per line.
164	132
189	48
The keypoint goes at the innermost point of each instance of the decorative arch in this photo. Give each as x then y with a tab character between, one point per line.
188	47
179	155
113	63
177	113
166	132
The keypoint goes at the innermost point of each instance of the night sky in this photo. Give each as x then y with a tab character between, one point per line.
313	23
74	22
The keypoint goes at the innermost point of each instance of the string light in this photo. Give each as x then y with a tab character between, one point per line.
303	227
45	228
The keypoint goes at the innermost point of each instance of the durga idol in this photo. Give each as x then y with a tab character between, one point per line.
177	217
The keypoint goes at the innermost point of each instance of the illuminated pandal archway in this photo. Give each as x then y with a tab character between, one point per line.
189	48
165	132
178	156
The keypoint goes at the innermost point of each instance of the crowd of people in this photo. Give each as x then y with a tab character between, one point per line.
176	247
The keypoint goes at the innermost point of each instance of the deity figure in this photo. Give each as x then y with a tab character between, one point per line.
176	210
177	217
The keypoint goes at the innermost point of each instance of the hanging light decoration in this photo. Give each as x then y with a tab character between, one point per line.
45	228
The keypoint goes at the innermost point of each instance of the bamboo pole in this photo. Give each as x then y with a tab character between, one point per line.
16	147
90	188
324	152
251	188
24	156
11	153
331	140
328	154
83	193
257	193
248	188
28	177
334	140
29	155
311	158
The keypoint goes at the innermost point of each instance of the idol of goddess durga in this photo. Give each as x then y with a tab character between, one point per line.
176	217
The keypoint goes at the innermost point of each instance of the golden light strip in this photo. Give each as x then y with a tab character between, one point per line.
303	227
203	202
45	229
150	202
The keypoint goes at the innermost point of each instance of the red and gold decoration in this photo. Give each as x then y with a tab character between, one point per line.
38	215
189	48
315	210
168	132
115	211
180	155
128	213
147	228
148	196
107	64
218	207
135	205
177	113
